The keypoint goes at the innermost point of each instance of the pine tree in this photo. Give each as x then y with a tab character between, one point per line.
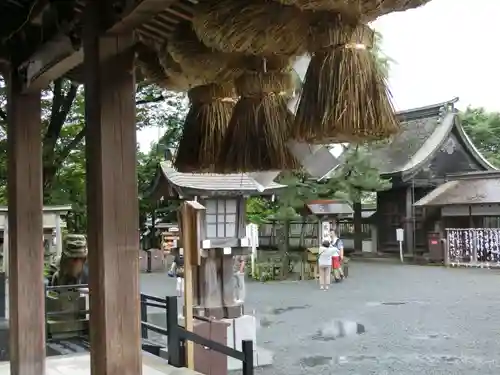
355	177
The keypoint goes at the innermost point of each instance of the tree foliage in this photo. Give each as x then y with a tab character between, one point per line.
483	128
63	140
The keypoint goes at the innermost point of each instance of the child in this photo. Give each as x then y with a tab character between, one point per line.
337	257
325	255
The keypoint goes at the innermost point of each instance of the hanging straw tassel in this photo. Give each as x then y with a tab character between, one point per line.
257	133
344	96
204	128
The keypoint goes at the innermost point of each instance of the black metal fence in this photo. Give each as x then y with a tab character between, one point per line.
177	335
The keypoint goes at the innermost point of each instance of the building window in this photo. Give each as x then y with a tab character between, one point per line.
221	215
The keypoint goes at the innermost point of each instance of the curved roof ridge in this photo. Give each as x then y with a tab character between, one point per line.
426	111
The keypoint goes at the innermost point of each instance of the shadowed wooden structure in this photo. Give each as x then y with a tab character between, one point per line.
40	41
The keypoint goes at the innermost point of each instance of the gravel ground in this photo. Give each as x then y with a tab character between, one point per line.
384	319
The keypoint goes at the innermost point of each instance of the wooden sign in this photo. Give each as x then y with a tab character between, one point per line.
190	217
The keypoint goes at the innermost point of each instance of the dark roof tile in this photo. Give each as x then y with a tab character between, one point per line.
392	156
213	181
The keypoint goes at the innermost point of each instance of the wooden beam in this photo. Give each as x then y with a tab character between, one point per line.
55	58
137	14
46	66
24	187
112	196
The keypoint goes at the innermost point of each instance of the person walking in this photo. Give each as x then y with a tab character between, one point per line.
325	254
177	271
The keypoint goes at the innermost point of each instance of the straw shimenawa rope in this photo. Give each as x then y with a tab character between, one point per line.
176	73
258	27
204	128
367	10
149	66
193	56
160	68
371	10
259	128
344	96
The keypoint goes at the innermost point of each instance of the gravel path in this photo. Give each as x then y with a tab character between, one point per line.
385	319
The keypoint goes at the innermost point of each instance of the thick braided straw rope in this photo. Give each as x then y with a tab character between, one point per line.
193	56
182	80
367	10
258	27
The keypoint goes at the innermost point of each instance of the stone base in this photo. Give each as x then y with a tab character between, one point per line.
233	312
4	339
245	328
261	357
223	312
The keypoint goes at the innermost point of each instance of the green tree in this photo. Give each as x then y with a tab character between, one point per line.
383	60
483	128
171	122
63	120
352	180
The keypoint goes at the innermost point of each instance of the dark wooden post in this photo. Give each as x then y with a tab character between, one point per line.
408	225
24	186
112	198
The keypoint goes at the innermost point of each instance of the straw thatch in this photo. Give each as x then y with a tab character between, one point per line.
193	56
367	10
259	27
204	128
344	96
150	68
176	73
374	9
258	131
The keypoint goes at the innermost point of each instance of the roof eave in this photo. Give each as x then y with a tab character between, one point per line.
424	112
438	137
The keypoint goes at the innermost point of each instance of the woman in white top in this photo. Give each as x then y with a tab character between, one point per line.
326	252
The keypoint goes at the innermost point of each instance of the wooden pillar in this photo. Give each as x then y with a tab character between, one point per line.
409	221
112	199
5	265
24	189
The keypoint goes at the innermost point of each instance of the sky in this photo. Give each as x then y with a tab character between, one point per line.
442	50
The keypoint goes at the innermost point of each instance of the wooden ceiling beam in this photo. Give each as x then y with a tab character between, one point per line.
59	56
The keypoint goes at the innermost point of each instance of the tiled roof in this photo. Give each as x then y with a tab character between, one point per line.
423	131
213	181
473	188
418	126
